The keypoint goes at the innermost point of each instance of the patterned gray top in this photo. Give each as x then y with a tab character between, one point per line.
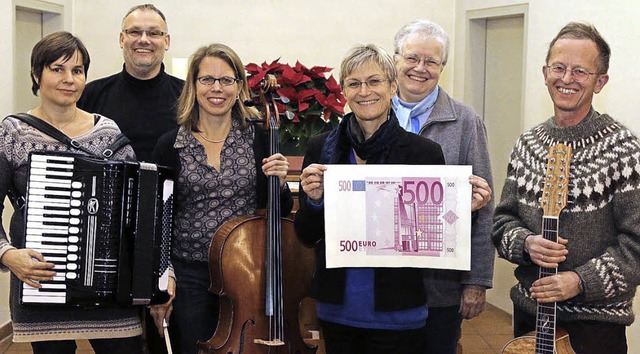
34	323
207	198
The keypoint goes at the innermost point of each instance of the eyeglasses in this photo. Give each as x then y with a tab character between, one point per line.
558	71
415	61
371	83
137	33
224	81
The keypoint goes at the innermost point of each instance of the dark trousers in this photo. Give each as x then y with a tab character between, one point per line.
340	339
442	330
100	346
195	309
586	337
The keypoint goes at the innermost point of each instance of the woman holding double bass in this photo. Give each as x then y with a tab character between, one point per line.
222	164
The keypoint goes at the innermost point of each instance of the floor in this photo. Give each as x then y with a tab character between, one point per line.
486	334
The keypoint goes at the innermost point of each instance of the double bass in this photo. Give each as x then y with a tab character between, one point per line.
261	272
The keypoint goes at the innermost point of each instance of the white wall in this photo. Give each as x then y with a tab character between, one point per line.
313	32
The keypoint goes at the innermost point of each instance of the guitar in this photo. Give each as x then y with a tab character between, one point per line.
546	339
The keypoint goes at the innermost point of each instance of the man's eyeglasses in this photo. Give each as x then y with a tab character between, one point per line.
224	81
415	60
137	33
558	71
371	83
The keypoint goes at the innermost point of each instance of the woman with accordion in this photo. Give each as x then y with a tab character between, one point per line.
59	64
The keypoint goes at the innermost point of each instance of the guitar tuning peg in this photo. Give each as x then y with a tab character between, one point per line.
282	99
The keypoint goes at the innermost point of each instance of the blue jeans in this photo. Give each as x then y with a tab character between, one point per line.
195	309
100	346
443	330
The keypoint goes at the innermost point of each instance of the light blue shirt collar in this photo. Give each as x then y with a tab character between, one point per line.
421	111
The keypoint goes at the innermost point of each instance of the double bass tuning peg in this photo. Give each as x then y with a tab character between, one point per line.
254	120
288	115
250	103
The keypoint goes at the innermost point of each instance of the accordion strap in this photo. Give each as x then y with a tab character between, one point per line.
119	142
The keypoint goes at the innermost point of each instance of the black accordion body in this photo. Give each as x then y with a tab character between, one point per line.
106	225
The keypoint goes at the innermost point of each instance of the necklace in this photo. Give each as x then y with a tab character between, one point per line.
211	140
59	127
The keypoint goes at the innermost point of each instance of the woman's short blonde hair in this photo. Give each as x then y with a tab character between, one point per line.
369	53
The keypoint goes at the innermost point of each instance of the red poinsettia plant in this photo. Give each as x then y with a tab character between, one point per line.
315	101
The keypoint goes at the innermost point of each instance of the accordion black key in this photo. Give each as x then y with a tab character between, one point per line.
106	225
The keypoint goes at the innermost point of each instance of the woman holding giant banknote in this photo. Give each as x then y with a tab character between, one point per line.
59	64
364	310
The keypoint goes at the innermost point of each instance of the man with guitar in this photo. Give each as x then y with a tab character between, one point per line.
595	254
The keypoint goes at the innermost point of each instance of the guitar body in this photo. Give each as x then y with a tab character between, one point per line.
527	344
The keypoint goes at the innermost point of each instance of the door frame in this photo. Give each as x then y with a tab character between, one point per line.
470	62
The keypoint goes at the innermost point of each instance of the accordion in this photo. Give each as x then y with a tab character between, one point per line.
106	225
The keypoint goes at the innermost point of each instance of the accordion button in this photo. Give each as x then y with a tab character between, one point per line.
72	248
72	266
74	239
71	275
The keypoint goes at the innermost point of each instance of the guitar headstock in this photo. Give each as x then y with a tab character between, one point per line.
556	182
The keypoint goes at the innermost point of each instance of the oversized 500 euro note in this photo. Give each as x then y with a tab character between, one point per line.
398	216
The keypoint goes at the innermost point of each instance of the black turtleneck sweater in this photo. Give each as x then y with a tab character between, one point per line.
143	109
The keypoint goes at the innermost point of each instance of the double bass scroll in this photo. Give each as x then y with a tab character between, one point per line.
261	271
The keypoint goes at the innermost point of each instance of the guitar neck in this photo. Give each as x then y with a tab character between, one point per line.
546	312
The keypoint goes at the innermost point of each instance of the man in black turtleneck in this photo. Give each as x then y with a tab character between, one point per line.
142	98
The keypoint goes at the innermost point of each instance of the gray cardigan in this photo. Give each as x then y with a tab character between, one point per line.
462	135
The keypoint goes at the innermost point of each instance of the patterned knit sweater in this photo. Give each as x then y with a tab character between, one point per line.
37	323
602	225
